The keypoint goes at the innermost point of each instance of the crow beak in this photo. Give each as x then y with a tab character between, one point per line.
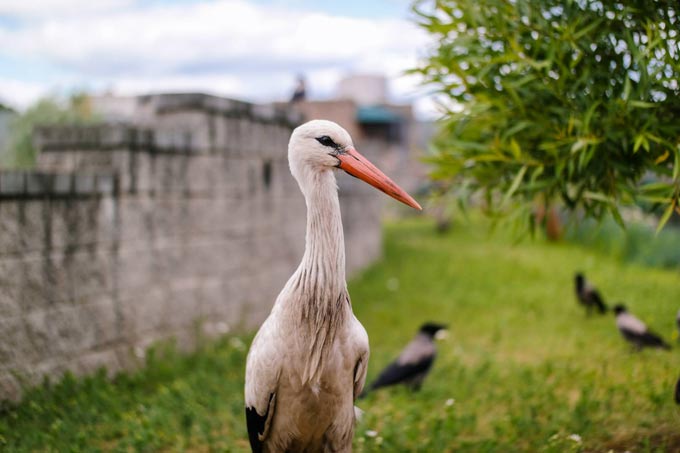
441	334
358	166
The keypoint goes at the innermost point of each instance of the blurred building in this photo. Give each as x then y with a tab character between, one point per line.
385	131
117	108
364	89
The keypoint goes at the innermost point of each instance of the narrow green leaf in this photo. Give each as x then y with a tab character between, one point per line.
516	128
587	29
642	104
654	138
655	187
515	149
626	89
468	145
589	116
666	215
492	158
640	140
654	199
597	196
617	216
515	184
538	171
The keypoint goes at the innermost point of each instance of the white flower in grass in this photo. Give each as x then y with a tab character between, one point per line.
450	402
371	433
441	335
575	437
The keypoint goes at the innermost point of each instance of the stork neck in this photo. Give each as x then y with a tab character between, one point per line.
324	244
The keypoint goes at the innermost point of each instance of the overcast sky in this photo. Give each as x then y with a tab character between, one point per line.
247	49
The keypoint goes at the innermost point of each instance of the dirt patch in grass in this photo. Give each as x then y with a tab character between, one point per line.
665	439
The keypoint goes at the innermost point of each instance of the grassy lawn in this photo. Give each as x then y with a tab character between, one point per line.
523	368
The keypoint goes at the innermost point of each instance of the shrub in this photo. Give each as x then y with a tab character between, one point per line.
557	100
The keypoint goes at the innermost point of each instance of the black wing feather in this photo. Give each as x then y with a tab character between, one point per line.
397	374
646	339
597	300
256	424
677	392
653	340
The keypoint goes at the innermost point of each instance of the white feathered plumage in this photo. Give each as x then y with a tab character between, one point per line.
307	363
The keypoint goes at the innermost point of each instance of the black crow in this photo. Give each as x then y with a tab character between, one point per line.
635	331
677	392
588	295
414	362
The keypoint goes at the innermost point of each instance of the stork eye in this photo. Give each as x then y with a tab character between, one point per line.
325	140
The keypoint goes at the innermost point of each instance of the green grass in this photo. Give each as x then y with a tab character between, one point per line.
522	370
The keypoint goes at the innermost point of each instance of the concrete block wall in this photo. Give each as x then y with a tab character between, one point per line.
185	223
57	287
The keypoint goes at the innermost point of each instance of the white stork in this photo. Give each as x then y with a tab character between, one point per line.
307	363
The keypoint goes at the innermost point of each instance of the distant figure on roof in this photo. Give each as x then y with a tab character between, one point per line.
300	93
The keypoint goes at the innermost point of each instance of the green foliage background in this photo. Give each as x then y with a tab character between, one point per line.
51	110
572	100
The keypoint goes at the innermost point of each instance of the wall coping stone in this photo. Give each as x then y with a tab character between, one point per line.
217	105
128	135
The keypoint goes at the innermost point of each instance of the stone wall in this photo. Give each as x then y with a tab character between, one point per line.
183	224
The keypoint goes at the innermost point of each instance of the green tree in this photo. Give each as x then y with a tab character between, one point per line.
575	101
21	153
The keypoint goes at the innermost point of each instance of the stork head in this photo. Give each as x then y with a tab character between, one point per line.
321	145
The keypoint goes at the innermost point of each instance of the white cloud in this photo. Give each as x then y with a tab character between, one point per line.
211	84
201	36
230	47
27	9
20	94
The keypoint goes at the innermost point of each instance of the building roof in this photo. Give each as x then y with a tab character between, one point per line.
377	114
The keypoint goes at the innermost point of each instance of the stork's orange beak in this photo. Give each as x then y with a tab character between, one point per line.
358	166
